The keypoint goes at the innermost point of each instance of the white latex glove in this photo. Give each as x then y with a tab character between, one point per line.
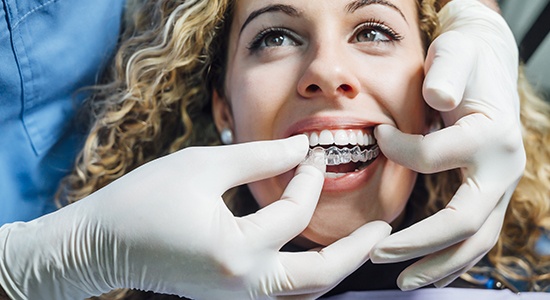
471	77
164	227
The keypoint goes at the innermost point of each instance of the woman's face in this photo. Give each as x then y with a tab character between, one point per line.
331	69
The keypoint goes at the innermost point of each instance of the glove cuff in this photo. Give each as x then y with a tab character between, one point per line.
6	279
51	257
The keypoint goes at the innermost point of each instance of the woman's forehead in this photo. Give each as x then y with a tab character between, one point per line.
244	8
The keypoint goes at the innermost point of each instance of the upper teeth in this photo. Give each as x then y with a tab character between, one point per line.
341	137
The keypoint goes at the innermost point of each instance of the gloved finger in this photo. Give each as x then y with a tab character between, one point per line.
405	283
242	163
462	218
449	61
279	222
441	267
315	272
449	148
450	261
450	278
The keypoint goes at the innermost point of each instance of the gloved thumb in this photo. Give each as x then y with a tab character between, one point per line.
228	166
430	153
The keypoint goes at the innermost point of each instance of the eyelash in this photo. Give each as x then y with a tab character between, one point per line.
380	26
256	43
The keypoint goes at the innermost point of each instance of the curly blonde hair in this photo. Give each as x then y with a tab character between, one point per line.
156	99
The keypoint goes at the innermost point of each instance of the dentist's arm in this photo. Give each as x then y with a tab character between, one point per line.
165	228
471	77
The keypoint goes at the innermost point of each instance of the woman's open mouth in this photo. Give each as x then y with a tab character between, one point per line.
345	150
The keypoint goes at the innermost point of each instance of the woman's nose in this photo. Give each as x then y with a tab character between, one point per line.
329	73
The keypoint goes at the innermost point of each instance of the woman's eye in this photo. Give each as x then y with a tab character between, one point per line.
375	31
278	37
371	35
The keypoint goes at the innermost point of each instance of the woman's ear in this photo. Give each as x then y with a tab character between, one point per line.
221	111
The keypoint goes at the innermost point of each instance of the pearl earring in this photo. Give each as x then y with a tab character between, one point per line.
226	135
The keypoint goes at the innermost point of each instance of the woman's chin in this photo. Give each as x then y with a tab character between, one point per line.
326	233
309	239
379	192
329	224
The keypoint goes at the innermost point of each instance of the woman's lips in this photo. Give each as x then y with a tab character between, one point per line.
350	155
351	151
345	151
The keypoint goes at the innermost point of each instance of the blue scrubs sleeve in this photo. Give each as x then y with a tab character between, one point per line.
48	50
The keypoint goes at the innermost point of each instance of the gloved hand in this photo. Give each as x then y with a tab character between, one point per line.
471	77
164	227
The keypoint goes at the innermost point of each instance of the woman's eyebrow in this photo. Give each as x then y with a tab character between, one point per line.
355	5
287	9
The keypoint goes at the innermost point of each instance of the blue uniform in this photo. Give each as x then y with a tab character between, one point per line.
48	49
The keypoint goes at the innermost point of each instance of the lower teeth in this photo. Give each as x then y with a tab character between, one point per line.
334	175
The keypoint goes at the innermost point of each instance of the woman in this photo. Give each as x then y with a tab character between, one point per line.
274	71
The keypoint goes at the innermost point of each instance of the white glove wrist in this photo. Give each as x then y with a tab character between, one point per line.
45	258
